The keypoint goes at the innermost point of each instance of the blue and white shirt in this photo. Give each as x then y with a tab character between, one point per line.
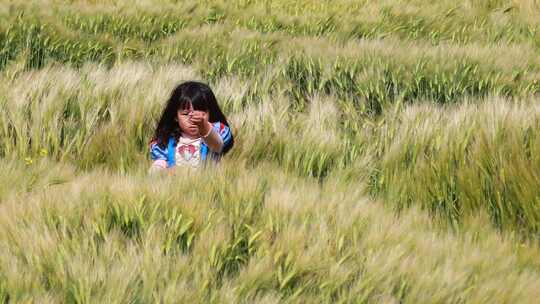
184	151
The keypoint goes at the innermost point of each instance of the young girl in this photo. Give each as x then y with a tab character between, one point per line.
191	130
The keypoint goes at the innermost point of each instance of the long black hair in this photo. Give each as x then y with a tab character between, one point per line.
201	97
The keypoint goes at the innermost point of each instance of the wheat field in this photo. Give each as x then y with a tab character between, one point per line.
385	152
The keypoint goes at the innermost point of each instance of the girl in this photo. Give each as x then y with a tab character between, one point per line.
191	130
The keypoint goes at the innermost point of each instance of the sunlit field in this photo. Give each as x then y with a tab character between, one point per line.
385	152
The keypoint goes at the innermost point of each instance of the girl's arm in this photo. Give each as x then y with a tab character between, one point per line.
219	139
159	157
213	140
217	136
158	165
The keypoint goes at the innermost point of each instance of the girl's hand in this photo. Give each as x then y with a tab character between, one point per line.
200	119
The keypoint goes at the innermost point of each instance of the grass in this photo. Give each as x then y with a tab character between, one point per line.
248	236
462	159
383	152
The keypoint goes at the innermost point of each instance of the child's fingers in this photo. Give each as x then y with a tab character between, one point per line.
200	114
199	117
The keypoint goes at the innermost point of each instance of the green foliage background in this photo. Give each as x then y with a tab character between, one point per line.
385	152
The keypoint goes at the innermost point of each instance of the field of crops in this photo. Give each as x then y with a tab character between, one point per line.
385	152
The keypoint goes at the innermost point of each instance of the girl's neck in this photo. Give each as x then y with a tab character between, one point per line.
189	136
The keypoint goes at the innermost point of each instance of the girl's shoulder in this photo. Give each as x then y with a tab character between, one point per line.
155	144
156	151
152	142
220	127
226	135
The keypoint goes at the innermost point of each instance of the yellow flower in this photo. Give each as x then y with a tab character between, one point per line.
43	152
28	160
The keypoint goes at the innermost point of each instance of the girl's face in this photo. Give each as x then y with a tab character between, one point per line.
183	116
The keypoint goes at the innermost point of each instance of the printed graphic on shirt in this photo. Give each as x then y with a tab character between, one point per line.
188	152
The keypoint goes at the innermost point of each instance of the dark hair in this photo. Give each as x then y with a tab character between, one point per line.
201	97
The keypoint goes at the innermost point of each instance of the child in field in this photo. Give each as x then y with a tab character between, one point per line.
191	130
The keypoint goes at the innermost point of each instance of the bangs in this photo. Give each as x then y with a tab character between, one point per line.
199	104
183	104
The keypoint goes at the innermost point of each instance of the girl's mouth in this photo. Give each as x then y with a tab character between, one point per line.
192	129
